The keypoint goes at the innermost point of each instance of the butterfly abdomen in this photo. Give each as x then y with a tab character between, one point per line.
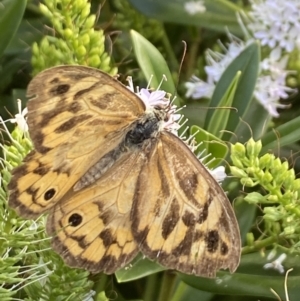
97	170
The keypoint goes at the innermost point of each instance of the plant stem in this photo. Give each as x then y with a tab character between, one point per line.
167	287
257	245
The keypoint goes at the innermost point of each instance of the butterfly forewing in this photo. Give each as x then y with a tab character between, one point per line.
180	216
76	116
70	105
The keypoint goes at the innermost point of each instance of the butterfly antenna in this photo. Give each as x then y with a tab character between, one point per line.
182	60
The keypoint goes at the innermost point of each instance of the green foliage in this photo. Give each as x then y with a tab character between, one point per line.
127	18
218	13
264	187
10	18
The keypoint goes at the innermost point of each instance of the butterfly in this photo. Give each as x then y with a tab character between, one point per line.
115	181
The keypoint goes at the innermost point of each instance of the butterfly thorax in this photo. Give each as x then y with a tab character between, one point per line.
145	128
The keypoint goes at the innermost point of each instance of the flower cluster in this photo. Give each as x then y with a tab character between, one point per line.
75	41
280	188
276	24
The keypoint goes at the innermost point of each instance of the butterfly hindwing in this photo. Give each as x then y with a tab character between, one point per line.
181	217
91	228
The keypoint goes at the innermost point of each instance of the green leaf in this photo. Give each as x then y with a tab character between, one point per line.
140	267
219	118
252	279
247	62
152	64
11	13
28	32
209	144
219	14
284	134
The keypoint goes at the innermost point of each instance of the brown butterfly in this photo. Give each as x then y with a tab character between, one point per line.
116	181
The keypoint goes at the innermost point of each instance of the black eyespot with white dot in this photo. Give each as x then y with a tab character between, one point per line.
75	220
49	194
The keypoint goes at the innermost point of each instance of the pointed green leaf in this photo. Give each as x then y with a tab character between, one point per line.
27	33
247	62
218	121
152	64
246	215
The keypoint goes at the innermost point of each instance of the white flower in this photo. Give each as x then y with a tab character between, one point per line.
197	88
276	23
269	90
194	7
276	264
157	99
216	64
274	63
20	118
153	98
219	173
270	87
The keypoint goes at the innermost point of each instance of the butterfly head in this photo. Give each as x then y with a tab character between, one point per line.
159	105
